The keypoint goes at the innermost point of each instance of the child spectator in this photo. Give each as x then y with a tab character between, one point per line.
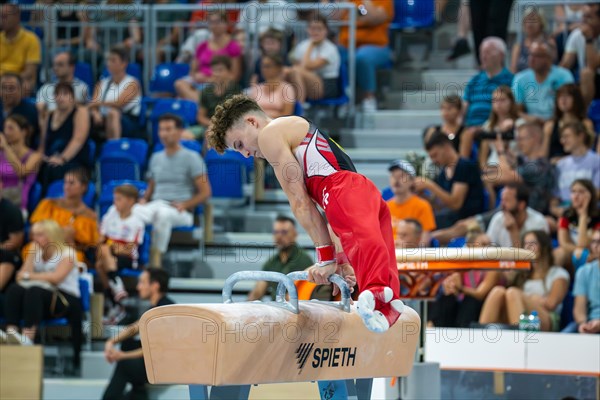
452	125
271	43
121	233
275	96
586	310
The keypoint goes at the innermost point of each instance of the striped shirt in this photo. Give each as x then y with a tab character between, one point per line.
478	94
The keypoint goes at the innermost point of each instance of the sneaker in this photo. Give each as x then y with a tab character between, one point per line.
377	309
461	48
118	289
369	105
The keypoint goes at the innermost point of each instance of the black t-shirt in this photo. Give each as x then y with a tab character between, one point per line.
133	344
164	301
11	219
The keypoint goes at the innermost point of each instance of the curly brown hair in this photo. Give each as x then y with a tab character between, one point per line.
226	115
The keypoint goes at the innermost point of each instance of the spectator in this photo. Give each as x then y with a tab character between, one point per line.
64	137
271	44
581	163
405	204
289	258
574	56
266	14
47	284
569	106
116	104
452	125
177	184
11	240
372	45
79	222
543	290
535	88
534	29
458	186
526	166
567	17
221	43
515	217
63	67
275	96
489	18
18	163
169	30
315	63
464	293
121	232
586	310
12	102
20	51
461	45
590	77
576	224
153	285
409	234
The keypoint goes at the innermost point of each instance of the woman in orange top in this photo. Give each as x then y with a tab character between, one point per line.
372	39
78	221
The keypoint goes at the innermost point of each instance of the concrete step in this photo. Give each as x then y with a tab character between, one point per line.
406	120
445	81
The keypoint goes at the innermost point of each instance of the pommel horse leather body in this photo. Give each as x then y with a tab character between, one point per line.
271	342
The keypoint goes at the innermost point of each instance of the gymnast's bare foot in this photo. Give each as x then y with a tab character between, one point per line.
377	309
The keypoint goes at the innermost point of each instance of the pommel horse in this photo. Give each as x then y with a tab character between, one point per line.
232	346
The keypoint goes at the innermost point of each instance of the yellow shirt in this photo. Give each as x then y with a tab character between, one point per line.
17	52
413	208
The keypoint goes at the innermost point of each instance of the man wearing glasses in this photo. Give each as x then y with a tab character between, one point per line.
289	257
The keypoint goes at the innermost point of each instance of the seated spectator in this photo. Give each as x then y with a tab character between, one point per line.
121	232
117	101
18	163
576	225
409	234
515	217
406	204
586	290
177	184
11	240
372	45
581	163
457	189
525	165
63	67
315	63
452	125
542	289
169	30
271	44
568	107
12	102
219	42
152	286
464	293
47	284
78	221
535	87
275	96
567	17
589	76
534	28
289	258
20	51
64	137
257	21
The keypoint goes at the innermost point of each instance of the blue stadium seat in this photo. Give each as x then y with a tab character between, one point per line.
193	145
105	199
83	72
117	166
186	109
91	150
594	114
387	193
298	110
227	176
164	77
413	14
457	242
55	190
35	195
137	148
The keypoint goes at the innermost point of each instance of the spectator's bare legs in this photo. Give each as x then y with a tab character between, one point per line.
466	142
307	83
185	90
515	304
6	272
535	302
113	124
493	310
587	85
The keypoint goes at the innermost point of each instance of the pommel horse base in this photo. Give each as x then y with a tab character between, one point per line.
232	346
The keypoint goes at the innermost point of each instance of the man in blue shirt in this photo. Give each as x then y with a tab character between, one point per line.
586	311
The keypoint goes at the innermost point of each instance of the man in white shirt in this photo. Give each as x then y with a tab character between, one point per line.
515	217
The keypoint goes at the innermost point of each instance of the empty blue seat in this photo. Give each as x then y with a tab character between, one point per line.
56	190
227	174
83	72
137	148
164	77
594	114
413	14
117	166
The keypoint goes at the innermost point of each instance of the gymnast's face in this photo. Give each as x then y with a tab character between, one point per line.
243	136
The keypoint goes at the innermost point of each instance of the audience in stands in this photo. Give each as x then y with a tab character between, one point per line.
315	63
289	257
177	184
274	14
20	51
63	67
542	289
152	286
13	101
64	137
11	240
569	107
589	76
489	18
271	44
452	125
372	45
515	217
409	235
47	285
78	221
274	95
458	190
121	232
464	293
220	42
535	88
534	28
18	163
117	101
586	290
406	204
576	225
581	163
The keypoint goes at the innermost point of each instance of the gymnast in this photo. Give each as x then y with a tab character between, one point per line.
312	168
